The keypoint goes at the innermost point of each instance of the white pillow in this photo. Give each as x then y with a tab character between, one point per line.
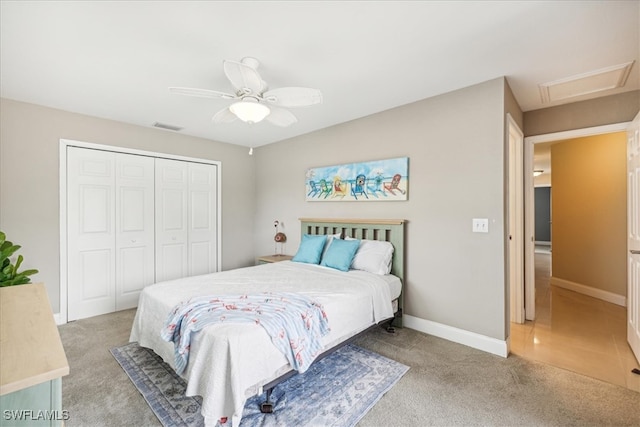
373	256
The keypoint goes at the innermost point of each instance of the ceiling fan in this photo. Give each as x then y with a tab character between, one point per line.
254	100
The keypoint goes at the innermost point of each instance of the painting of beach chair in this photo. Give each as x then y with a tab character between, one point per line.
314	189
371	181
325	189
375	186
339	187
358	187
392	186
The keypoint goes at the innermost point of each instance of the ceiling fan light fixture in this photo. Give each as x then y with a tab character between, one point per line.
249	110
253	101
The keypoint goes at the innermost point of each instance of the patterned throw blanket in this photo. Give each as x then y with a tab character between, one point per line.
294	322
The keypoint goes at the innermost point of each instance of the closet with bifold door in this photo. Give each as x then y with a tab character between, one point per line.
134	220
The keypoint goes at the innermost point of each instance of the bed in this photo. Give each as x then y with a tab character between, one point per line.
230	362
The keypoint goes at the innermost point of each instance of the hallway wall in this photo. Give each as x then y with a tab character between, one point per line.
589	212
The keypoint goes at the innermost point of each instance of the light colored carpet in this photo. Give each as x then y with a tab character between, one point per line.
448	385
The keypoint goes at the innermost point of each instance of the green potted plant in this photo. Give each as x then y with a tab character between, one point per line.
9	274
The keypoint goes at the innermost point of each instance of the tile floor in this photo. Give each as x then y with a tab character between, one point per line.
576	332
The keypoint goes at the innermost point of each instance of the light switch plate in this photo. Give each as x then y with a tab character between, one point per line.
480	225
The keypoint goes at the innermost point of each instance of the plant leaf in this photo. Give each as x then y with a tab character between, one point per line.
18	262
8	270
28	272
7	252
9	274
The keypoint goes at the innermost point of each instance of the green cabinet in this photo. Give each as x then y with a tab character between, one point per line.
38	405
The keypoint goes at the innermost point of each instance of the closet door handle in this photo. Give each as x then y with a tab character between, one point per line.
634	251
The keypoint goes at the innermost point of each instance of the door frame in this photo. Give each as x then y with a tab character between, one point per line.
62	317
529	203
515	232
633	238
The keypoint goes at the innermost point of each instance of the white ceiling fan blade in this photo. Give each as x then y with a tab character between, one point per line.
293	96
281	117
203	93
243	77
224	116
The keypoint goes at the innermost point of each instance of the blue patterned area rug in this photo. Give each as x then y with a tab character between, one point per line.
336	391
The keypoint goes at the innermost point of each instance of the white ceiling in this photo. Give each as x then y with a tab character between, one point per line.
116	59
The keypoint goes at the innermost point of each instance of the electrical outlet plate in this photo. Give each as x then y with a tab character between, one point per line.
480	225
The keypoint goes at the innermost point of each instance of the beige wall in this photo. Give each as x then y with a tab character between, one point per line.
455	145
589	211
29	180
511	106
579	115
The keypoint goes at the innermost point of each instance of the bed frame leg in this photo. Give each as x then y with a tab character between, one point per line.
266	407
388	326
396	322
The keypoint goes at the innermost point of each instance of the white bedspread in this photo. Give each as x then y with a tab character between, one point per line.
230	362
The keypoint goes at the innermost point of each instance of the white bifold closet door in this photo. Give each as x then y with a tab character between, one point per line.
185	219
110	226
133	220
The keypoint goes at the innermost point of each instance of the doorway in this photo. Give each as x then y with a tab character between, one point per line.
530	232
553	332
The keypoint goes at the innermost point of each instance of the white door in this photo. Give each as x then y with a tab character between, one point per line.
134	245
90	232
202	236
516	222
171	219
633	233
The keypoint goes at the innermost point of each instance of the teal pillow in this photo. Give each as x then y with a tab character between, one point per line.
340	254
310	249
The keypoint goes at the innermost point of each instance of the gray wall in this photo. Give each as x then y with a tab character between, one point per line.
455	144
543	214
29	181
579	115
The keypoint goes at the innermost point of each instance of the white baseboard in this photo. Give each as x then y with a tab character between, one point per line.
589	291
58	319
470	339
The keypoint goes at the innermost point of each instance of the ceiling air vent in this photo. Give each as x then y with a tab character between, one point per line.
583	84
167	127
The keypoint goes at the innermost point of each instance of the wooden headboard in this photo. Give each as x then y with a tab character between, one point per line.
389	230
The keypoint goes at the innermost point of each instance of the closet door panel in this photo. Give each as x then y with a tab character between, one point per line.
202	218
95	276
175	265
135	232
90	232
171	204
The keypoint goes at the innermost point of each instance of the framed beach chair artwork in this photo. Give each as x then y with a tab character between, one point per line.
376	180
